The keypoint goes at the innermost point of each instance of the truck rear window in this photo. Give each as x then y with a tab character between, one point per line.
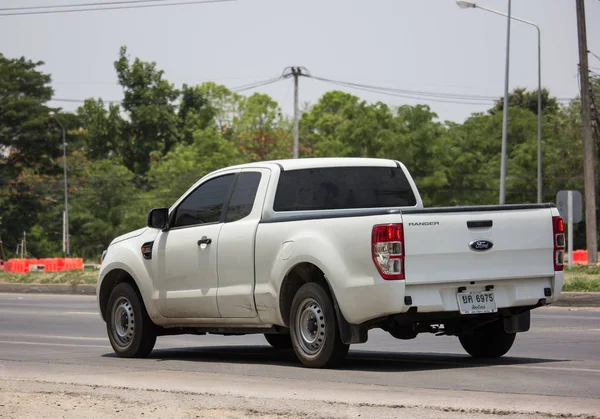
342	188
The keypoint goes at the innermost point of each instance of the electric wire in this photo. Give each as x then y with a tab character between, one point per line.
414	96
419	95
236	89
68	6
93	9
255	85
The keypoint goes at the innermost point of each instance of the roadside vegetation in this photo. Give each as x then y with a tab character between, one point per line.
87	276
582	278
579	279
143	152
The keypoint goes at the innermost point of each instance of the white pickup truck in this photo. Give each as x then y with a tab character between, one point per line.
313	253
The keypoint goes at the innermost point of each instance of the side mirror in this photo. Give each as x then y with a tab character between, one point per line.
158	218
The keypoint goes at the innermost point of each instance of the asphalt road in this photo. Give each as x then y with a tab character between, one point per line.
555	367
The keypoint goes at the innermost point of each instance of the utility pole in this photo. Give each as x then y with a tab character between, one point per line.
505	111
66	248
296	72
2	256
589	178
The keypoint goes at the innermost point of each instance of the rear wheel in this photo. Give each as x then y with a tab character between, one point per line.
130	330
488	341
279	341
314	330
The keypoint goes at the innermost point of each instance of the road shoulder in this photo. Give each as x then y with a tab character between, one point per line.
187	394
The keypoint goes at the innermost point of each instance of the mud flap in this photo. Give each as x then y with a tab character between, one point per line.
349	333
518	322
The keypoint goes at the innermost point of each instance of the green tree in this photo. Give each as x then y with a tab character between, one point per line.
104	129
99	210
522	98
259	130
185	164
29	147
418	142
149	101
24	91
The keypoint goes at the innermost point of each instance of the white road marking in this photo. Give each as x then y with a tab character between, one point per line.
552	316
90	313
467	365
549	368
23	335
52	344
47	312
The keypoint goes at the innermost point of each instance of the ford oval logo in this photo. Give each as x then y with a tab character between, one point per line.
481	245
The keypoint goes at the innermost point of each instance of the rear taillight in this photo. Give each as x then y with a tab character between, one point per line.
387	244
558	233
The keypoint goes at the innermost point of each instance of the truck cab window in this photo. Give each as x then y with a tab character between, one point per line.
331	188
242	199
204	205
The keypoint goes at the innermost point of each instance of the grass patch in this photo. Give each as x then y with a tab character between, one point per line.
583	269
587	283
87	276
582	278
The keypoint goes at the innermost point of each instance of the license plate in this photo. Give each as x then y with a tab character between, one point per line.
476	302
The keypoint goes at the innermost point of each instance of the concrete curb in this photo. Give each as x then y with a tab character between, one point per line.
579	299
81	289
567	299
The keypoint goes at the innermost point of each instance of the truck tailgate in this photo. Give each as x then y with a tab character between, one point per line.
451	245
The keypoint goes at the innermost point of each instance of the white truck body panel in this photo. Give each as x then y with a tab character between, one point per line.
437	249
237	280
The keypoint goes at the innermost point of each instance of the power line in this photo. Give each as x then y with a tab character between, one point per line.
59	6
595	56
255	85
389	92
236	89
420	95
412	92
92	9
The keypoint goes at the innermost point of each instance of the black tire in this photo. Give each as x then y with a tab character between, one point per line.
279	341
312	311
488	341
133	334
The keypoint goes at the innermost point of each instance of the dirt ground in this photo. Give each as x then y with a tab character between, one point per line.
33	399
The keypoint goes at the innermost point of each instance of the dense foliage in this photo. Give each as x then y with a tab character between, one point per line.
124	159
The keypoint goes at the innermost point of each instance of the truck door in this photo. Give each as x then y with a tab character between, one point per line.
186	257
235	295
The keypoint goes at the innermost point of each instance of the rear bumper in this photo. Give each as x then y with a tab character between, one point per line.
364	303
508	293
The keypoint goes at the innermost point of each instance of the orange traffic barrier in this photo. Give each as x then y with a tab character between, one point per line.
16	265
50	264
71	264
580	256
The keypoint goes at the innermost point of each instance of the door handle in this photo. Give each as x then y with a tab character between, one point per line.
479	224
204	240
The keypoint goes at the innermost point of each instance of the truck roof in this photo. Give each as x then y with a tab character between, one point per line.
307	163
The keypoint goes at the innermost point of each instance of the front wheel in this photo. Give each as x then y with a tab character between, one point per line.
314	330
488	341
130	330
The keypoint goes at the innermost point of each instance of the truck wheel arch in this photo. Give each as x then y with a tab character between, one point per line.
110	281
298	275
303	273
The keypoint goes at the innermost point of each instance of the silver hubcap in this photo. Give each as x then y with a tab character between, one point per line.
123	322
310	326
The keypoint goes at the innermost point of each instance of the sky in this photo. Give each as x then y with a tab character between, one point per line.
420	45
